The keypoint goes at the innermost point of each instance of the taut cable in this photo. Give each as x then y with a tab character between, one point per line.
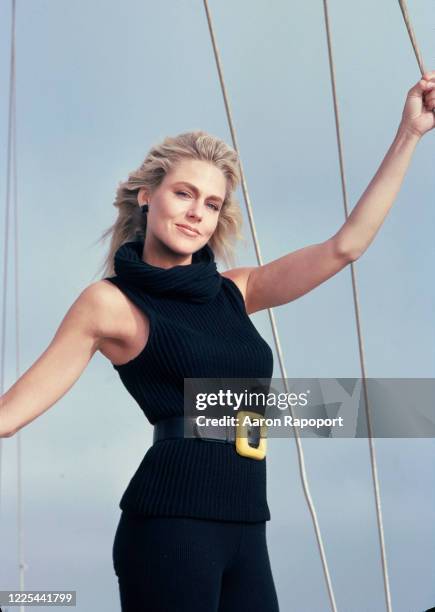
299	447
358	323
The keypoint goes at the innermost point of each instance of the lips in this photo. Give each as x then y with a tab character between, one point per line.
187	231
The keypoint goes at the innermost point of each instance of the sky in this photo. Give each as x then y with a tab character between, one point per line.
98	83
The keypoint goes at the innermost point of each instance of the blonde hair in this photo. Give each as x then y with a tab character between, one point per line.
131	223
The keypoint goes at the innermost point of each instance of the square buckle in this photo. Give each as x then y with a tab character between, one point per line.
245	434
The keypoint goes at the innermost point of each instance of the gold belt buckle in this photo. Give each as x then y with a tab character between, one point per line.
243	447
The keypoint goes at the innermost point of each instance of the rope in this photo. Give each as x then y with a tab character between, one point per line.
6	238
6	227
299	447
358	324
12	169
412	37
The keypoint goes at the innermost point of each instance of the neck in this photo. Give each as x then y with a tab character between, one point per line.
157	253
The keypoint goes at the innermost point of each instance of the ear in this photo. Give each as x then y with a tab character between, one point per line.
142	195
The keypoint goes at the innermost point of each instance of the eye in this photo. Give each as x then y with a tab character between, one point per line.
184	193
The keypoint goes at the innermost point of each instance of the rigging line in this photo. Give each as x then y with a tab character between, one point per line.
6	227
407	20
299	447
20	528
358	322
12	169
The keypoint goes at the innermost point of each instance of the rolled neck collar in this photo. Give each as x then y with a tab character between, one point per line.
198	281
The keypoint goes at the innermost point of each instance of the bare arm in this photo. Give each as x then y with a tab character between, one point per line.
297	273
59	366
289	277
369	213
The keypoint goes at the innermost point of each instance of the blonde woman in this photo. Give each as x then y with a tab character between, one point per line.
192	533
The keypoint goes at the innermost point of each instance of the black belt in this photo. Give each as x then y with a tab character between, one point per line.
174	427
251	444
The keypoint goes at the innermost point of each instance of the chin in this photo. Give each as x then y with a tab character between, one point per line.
190	249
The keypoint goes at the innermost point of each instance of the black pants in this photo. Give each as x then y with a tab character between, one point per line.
177	564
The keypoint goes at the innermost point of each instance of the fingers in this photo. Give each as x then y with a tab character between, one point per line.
428	90
422	87
426	82
421	97
429	102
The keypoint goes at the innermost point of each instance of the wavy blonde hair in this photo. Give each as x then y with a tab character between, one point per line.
131	223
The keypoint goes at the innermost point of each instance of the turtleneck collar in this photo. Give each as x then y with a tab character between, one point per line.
196	282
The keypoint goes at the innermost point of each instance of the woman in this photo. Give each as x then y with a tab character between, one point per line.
191	536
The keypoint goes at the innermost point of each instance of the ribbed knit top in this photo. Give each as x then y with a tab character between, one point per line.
199	328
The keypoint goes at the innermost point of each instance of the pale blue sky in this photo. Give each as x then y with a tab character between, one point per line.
99	82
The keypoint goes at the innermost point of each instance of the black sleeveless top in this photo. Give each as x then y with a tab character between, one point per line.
199	328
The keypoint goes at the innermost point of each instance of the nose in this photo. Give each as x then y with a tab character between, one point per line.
195	210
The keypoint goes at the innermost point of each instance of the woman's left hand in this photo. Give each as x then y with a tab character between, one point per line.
418	116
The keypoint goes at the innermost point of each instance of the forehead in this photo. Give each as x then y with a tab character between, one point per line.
204	175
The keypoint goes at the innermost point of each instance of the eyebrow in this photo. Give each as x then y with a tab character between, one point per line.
196	190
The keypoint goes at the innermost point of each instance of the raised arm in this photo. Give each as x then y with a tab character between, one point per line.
298	272
61	364
369	213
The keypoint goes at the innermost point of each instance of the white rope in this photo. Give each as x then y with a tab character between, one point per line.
412	37
299	447
358	323
12	170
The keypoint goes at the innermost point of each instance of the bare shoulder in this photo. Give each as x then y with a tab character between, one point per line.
106	306
240	277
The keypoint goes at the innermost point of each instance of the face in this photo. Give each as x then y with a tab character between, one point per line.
190	195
